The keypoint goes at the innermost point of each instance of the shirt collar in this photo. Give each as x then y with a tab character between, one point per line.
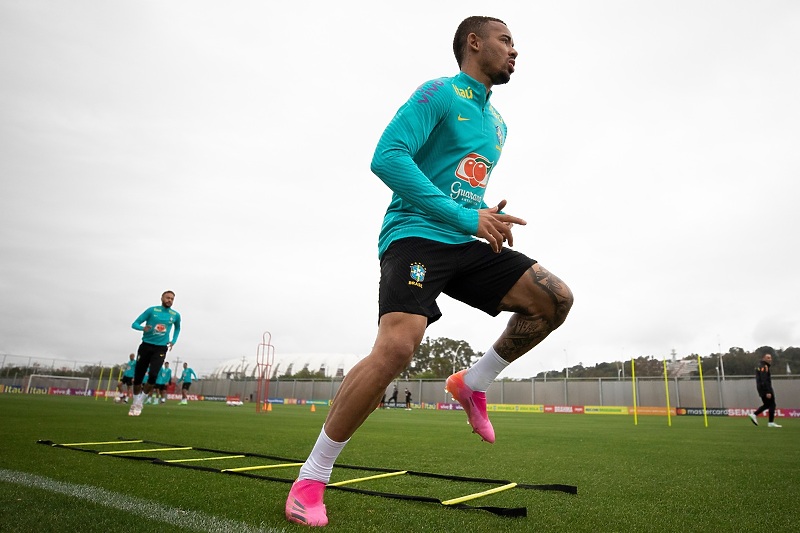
478	89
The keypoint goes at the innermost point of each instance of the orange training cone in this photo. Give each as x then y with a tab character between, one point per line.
313	408
269	407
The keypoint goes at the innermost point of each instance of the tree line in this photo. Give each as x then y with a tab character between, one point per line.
438	358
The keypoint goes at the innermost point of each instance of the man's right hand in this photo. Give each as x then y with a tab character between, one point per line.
495	227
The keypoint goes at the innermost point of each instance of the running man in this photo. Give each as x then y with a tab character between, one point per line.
126	379
186	377
164	377
764	388
393	399
157	323
440	236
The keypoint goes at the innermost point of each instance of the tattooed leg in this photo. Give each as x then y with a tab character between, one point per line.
540	302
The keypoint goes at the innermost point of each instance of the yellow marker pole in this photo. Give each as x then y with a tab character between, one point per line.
360	479
108	385
702	390
633	381
479	494
666	389
99	381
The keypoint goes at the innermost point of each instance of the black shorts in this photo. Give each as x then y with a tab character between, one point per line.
149	356
126	380
186	385
415	271
161	386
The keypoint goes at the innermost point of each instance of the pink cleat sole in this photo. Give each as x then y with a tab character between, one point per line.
473	403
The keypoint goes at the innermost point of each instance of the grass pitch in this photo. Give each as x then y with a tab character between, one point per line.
730	476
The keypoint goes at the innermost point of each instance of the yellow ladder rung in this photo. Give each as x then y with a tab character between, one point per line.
246	468
358	480
479	494
99	443
205	459
143	451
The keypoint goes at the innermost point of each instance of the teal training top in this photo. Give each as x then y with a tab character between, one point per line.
130	368
187	375
161	319
436	155
164	376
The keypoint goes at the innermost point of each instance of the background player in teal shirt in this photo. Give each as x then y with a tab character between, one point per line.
157	323
126	379
163	379
439	236
186	377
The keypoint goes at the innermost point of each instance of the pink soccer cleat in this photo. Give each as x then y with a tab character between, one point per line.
473	403
304	504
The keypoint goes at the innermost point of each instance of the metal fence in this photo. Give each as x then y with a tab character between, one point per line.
731	392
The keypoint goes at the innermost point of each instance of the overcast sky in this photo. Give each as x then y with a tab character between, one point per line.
222	150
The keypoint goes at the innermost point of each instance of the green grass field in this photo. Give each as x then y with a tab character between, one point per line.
730	476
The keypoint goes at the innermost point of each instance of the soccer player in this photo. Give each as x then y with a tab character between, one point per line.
157	323
148	395
393	399
186	377
127	380
440	236
164	377
764	388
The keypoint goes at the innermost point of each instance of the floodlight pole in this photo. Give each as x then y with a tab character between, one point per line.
722	371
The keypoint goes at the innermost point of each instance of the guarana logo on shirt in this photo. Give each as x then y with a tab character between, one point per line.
474	169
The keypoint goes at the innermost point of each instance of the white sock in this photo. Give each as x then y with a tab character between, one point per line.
319	464
138	398
483	373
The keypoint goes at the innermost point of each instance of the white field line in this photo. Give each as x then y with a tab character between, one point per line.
151	510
